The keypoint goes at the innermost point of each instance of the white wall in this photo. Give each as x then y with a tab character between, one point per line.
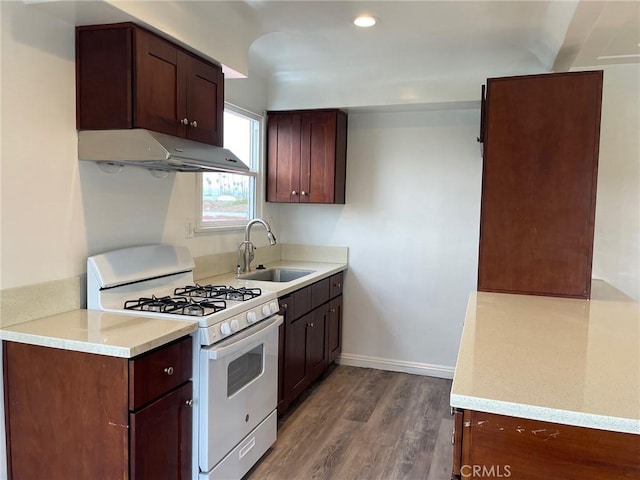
616	256
55	210
411	222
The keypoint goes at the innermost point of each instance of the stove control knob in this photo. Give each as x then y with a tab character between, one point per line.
251	317
225	329
273	306
266	311
235	326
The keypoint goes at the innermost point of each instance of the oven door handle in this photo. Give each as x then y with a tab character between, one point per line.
242	339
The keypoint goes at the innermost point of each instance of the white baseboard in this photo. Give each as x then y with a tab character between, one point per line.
390	364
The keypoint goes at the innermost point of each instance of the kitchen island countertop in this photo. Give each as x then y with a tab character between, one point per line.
574	362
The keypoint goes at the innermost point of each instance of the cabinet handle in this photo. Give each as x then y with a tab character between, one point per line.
294	193
303	193
168	370
194	124
310	324
333	310
189	402
184	121
337	285
284	306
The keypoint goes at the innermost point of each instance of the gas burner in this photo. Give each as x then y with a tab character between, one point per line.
205	291
153	304
219	291
196	308
176	305
242	294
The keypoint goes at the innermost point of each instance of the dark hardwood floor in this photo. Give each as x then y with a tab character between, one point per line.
363	424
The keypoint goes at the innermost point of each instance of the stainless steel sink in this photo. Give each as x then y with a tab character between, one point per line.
276	275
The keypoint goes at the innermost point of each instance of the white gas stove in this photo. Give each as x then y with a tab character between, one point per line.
157	280
235	368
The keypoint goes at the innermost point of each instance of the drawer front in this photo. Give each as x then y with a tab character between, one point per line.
157	372
301	302
319	293
335	285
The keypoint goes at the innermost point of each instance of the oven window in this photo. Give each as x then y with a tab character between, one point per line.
243	370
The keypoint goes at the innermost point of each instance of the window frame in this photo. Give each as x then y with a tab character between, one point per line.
255	174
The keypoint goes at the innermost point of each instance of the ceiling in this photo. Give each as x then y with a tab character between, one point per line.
421	52
432	51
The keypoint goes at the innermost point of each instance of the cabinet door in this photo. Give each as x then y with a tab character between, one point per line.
161	438
204	100
317	157
539	184
296	373
283	158
159	102
316	342
334	329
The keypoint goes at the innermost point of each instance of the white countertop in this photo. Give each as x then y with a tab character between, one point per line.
99	332
575	362
127	336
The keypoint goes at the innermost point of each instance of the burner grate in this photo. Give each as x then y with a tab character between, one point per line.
179	305
219	291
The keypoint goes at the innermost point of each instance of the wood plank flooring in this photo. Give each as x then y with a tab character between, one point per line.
364	424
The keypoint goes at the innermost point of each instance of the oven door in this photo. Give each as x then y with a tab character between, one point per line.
238	389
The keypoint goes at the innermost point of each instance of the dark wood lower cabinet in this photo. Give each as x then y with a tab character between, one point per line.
296	372
74	415
334	329
312	337
161	437
317	351
489	445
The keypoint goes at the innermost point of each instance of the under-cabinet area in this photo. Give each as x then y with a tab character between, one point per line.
71	414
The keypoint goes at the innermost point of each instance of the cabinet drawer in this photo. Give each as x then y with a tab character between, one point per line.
159	371
335	285
319	293
301	302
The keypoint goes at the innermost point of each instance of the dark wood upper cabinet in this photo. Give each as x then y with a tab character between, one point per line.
129	77
306	156
541	138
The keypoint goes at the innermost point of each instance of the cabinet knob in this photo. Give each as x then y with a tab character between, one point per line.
294	193
303	193
311	324
184	121
337	285
189	402
194	124
168	370
333	310
284	306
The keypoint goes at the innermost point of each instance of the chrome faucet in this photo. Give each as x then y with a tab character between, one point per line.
249	249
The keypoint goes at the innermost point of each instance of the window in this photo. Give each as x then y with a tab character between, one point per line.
228	200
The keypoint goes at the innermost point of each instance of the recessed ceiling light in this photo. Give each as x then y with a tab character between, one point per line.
365	21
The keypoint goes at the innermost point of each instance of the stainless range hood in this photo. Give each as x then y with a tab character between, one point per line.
155	151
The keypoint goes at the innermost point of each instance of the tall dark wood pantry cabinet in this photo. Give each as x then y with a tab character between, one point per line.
306	156
129	77
541	138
